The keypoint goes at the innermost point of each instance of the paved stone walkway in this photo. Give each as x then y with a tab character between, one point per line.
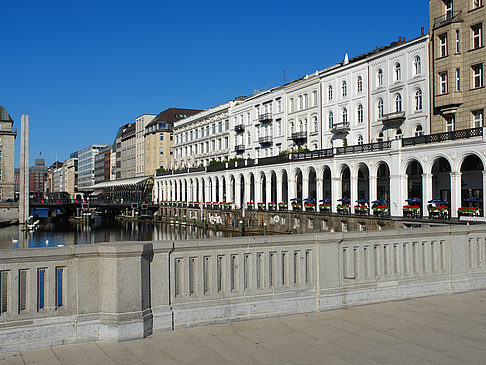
449	329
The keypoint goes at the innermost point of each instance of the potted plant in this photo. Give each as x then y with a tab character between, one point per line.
296	206
343	208
468	211
250	205
325	208
310	206
282	206
272	206
261	205
361	209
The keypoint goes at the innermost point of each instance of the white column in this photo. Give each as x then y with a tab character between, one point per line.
305	187
319	191
268	189
279	188
456	193
374	188
207	192
335	191
484	195
221	190
237	197
426	192
291	190
398	189
213	192
258	190
354	192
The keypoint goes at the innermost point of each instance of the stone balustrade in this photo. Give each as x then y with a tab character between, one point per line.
128	290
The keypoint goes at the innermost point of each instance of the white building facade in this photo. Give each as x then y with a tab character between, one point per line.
140	124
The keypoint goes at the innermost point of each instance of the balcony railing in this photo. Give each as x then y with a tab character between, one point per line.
265	118
360	148
340	128
450	17
395	118
326	153
273	160
299	136
265	140
240	148
239	128
446	136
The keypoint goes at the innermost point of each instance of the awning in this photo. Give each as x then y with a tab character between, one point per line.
120	183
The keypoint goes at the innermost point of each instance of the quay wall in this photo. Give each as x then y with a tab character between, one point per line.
128	290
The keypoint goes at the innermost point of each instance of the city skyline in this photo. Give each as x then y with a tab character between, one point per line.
109	66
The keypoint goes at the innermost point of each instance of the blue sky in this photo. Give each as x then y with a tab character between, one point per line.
81	69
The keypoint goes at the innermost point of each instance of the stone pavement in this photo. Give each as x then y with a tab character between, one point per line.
448	329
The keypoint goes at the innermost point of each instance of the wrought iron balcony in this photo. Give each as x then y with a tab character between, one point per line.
265	118
340	128
240	148
239	128
450	17
265	140
445	136
296	136
393	120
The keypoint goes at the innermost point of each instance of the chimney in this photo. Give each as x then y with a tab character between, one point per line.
399	39
422	31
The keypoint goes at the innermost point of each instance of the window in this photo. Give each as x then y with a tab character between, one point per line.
457	42
477	4
380	108
301	103
291	105
306	101
417	65
443	82
399	134
379	77
477	36
360	113
331	119
279	127
398	72
345	116
458	79
248	138
226	125
419	131
329	93
448	8
0	156
443	45
398	103
450	123
380	137
345	89
279	105
418	100
314	98
359	86
360	139
315	124
478	118
477	72
161	150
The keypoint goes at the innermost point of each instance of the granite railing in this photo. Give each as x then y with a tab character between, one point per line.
130	289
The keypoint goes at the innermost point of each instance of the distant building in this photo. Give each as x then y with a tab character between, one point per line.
86	166
102	165
17	183
7	149
128	152
37	179
159	139
140	124
117	150
71	175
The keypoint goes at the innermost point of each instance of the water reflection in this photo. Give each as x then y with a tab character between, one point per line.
53	235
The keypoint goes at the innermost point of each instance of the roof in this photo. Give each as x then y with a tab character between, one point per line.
124	182
4	116
172	115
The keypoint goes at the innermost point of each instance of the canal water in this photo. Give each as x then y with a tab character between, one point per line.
102	230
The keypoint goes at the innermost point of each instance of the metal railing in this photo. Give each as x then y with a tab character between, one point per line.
264	118
265	140
338	127
326	153
239	147
439	137
299	135
273	160
361	148
239	128
452	16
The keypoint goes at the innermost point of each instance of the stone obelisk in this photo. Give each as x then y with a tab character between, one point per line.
24	171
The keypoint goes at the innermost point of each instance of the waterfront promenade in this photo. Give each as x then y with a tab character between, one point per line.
446	329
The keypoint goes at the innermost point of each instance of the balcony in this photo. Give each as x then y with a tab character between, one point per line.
299	136
265	140
239	148
450	17
239	128
340	128
393	120
265	118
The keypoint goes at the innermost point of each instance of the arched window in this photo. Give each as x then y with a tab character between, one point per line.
301	126
329	93
315	124
419	131
360	139
398	72
314	98
301	104
379	78
306	101
292	127
345	116
380	108
248	138
418	100
331	119
417	65
359	85
399	134
398	103
380	137
360	113
345	89
291	105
